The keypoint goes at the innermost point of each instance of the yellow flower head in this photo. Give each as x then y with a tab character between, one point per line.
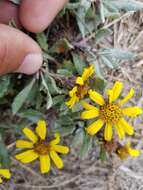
110	112
81	87
4	174
126	150
42	148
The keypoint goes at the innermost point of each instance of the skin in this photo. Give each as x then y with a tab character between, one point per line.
18	52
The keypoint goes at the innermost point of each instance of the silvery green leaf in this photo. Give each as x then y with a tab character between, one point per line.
97	69
118	53
49	97
4	156
21	97
31	115
58	99
102	15
79	63
64	72
65	131
4	85
81	14
107	62
86	147
102	34
72	6
78	138
42	40
127	5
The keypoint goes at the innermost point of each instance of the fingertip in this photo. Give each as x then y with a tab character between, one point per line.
36	15
31	64
18	52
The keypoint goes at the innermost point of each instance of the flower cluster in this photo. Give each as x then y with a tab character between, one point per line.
80	90
103	114
106	113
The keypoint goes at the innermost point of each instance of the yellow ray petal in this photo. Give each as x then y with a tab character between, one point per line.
126	126
79	81
44	163
5	173
108	132
61	149
90	114
110	94
87	106
127	97
56	159
120	131
96	97
133	152
30	135
87	72
41	129
73	100
27	156
73	91
56	139
24	144
1	180
116	91
93	128
132	111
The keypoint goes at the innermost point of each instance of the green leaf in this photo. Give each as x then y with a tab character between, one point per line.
127	5
72	6
49	97
81	14
58	99
21	97
64	72
102	15
86	147
78	138
102	155
118	53
4	156
97	69
4	85
101	34
42	40
79	63
65	131
31	115
107	62
98	84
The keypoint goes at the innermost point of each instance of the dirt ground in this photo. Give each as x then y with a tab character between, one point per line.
92	174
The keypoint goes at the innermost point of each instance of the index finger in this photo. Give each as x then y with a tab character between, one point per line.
36	15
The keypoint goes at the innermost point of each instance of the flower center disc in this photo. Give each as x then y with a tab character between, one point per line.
42	148
110	113
82	90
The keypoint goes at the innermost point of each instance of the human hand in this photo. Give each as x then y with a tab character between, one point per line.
18	52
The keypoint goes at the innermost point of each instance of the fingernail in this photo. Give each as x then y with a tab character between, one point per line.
31	63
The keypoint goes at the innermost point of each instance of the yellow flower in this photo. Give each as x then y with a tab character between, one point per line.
81	87
4	174
110	112
42	148
126	150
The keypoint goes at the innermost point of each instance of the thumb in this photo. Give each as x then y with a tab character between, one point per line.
18	52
